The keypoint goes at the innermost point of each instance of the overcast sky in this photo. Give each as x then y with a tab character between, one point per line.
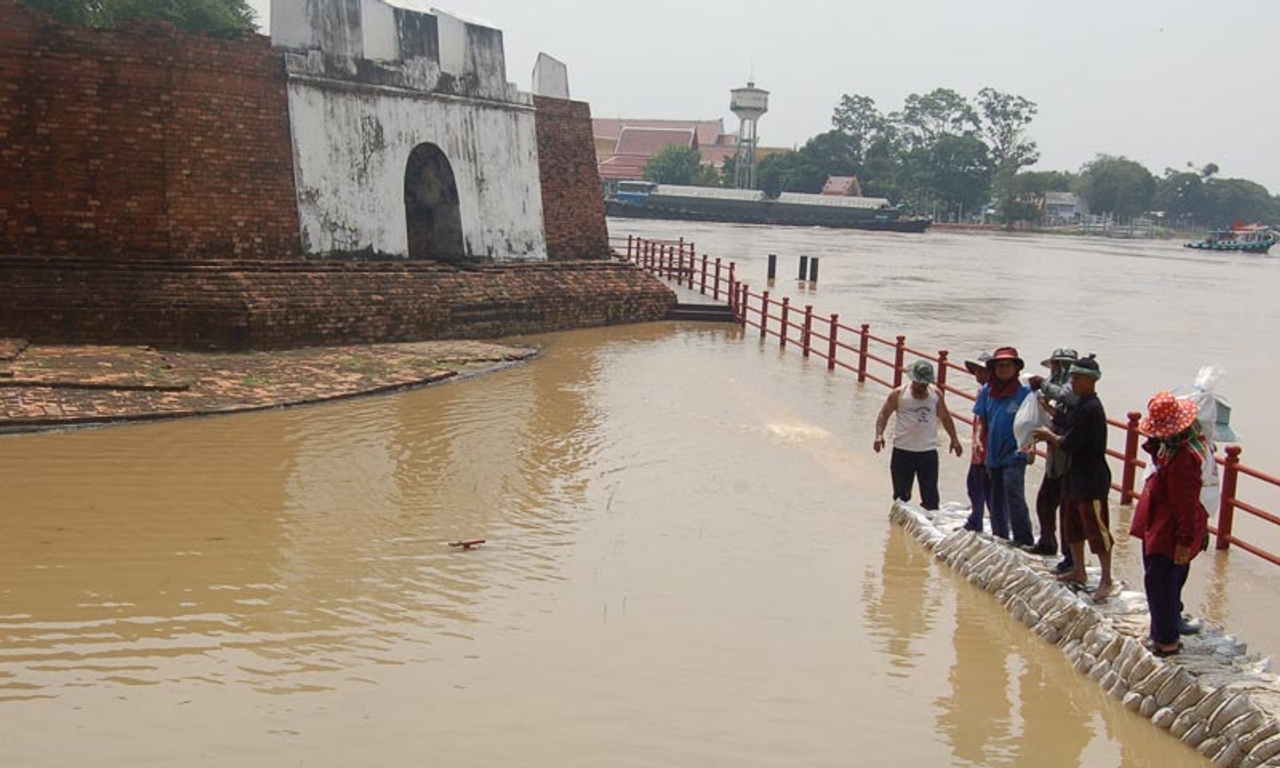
1164	82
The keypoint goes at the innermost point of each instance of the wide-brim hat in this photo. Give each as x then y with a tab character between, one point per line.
1005	353
978	363
1167	415
1061	355
1085	366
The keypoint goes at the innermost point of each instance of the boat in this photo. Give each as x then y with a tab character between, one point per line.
646	200
1244	238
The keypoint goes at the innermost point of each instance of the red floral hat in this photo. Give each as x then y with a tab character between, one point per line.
1167	415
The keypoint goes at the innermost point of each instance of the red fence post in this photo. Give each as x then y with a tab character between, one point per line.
942	370
703	285
1130	470
808	328
899	355
1227	507
782	332
742	304
693	258
733	288
862	353
831	342
715	289
764	313
629	239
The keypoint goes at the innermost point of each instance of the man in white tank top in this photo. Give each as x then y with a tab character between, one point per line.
920	409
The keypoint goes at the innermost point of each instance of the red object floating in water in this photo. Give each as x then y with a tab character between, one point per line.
468	544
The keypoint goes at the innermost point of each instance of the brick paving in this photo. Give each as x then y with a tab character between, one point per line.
47	387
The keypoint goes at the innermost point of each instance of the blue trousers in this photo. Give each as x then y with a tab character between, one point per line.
979	486
1009	503
1163	581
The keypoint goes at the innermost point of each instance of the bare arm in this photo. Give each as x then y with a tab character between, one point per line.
944	416
882	421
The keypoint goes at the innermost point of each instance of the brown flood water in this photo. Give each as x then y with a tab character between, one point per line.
688	563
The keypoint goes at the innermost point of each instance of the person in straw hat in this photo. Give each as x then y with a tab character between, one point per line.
1170	518
920	408
1084	441
993	416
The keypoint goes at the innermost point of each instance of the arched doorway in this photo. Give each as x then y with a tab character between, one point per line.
431	206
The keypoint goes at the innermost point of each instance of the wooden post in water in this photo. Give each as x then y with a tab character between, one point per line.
693	256
804	266
715	288
773	266
813	270
899	357
807	333
764	313
703	284
862	353
629	239
782	331
831	342
1130	470
1227	506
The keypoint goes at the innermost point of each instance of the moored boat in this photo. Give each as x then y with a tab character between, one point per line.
1243	238
645	200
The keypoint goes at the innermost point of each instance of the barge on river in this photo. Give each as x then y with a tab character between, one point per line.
1244	238
645	200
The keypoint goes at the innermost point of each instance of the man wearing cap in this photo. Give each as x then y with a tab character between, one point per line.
978	483
994	411
920	408
1056	397
1084	440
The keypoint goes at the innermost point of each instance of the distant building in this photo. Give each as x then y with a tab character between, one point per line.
842	186
1063	208
624	146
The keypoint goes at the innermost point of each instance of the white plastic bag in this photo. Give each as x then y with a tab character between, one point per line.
1029	417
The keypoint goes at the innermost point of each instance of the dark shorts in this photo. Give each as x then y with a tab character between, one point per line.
1088	520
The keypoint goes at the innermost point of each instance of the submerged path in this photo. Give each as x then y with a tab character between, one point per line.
45	387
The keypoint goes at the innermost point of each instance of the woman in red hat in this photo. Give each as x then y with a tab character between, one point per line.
1169	518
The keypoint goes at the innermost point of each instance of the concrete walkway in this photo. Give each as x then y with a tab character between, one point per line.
48	387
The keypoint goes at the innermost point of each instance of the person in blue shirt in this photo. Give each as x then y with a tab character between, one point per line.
994	411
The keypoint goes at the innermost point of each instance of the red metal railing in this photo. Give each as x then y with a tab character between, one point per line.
882	360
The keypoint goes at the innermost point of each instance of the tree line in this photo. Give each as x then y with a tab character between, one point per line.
942	153
194	16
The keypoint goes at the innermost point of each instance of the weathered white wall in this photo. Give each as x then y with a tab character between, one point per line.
351	146
550	78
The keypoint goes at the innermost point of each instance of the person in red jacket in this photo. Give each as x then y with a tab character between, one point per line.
1169	518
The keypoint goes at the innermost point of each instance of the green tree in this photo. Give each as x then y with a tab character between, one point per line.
1232	200
674	164
861	123
194	16
1116	185
1005	118
960	173
941	112
1182	196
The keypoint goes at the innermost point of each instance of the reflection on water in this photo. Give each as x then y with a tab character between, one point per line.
688	563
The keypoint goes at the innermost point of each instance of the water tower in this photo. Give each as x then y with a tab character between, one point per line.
749	104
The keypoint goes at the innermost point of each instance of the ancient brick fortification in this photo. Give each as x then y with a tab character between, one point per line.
274	304
147	196
142	142
572	203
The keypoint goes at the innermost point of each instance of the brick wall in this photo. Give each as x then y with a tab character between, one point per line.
572	200
142	141
242	304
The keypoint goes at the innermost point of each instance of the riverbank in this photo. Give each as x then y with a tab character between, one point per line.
51	387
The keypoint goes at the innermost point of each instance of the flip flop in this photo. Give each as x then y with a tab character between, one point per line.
1076	586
